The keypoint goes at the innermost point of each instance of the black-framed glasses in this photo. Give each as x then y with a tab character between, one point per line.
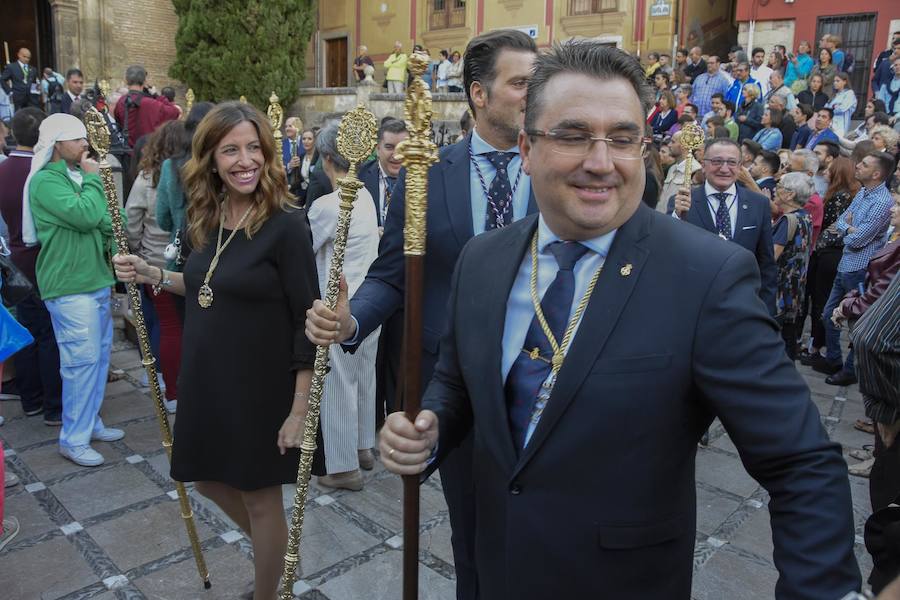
574	142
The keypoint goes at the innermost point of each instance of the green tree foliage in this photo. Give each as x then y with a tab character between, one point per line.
229	48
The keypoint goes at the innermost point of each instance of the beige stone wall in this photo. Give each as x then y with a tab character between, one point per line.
767	33
141	32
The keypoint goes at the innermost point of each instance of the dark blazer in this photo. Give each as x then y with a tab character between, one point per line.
753	231
573	516
754	113
319	184
286	150
691	71
369	174
19	90
449	226
66	104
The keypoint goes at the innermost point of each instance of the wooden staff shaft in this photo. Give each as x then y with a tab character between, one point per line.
412	403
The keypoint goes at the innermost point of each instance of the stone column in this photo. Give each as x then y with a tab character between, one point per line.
67	34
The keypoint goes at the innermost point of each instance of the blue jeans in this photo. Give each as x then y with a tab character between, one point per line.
37	365
843	283
83	326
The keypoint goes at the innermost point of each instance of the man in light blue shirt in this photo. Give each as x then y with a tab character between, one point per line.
705	85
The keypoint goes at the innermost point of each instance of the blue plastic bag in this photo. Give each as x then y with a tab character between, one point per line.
13	337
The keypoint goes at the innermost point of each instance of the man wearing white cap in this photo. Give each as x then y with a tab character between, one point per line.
64	209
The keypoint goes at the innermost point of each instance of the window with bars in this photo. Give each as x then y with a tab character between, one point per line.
446	14
592	7
857	33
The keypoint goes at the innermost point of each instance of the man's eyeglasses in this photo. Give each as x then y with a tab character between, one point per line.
572	142
722	162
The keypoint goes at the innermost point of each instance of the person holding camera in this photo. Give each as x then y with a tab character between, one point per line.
140	112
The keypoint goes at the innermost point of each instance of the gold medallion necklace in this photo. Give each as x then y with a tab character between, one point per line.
205	296
559	350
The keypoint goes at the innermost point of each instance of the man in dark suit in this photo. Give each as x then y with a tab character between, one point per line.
478	185
586	449
765	166
20	81
74	88
380	174
732	212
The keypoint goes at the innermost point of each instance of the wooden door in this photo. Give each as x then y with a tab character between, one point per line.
336	65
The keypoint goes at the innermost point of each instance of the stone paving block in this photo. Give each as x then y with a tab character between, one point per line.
143	437
139	537
229	571
724	472
26	431
328	538
126	407
48	464
382	501
117	388
755	534
845	434
104	491
712	510
46	571
381	580
11	409
730	575
125	359
437	542
33	519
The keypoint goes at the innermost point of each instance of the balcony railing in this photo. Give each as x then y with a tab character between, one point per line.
592	7
446	14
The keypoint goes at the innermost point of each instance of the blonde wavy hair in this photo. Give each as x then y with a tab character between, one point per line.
205	189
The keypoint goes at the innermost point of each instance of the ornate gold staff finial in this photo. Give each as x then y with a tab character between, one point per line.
243	99
189	101
356	140
104	88
417	153
691	139
276	117
98	135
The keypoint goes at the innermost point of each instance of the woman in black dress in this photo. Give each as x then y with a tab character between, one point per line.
246	364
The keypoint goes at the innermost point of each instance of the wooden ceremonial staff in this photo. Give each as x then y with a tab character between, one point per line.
98	135
417	153
356	140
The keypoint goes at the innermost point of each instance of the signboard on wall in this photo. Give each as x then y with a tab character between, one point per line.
661	8
531	30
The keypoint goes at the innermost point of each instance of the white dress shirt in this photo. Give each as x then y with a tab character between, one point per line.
712	202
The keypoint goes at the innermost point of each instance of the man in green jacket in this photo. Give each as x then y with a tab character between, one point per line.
67	213
395	70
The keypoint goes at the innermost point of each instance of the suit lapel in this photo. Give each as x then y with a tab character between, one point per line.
600	318
457	193
701	203
742	209
501	268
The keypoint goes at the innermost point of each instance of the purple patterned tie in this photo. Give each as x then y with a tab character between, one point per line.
526	375
499	209
723	218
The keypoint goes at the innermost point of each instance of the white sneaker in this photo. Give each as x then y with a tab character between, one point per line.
108	434
171	406
145	381
10	479
84	456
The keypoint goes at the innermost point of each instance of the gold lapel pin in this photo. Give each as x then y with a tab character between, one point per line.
626	270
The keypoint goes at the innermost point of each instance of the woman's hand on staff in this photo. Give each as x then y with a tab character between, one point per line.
291	433
406	446
134	269
324	326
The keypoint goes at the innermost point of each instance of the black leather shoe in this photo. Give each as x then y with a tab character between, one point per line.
806	357
842	378
820	364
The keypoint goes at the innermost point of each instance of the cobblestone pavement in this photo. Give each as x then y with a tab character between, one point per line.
115	531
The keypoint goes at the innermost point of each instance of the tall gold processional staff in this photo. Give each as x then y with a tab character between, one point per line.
356	140
98	135
417	153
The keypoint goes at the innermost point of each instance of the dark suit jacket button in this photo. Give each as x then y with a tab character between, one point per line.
515	489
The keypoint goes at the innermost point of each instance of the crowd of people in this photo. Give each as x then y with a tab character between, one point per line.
230	240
